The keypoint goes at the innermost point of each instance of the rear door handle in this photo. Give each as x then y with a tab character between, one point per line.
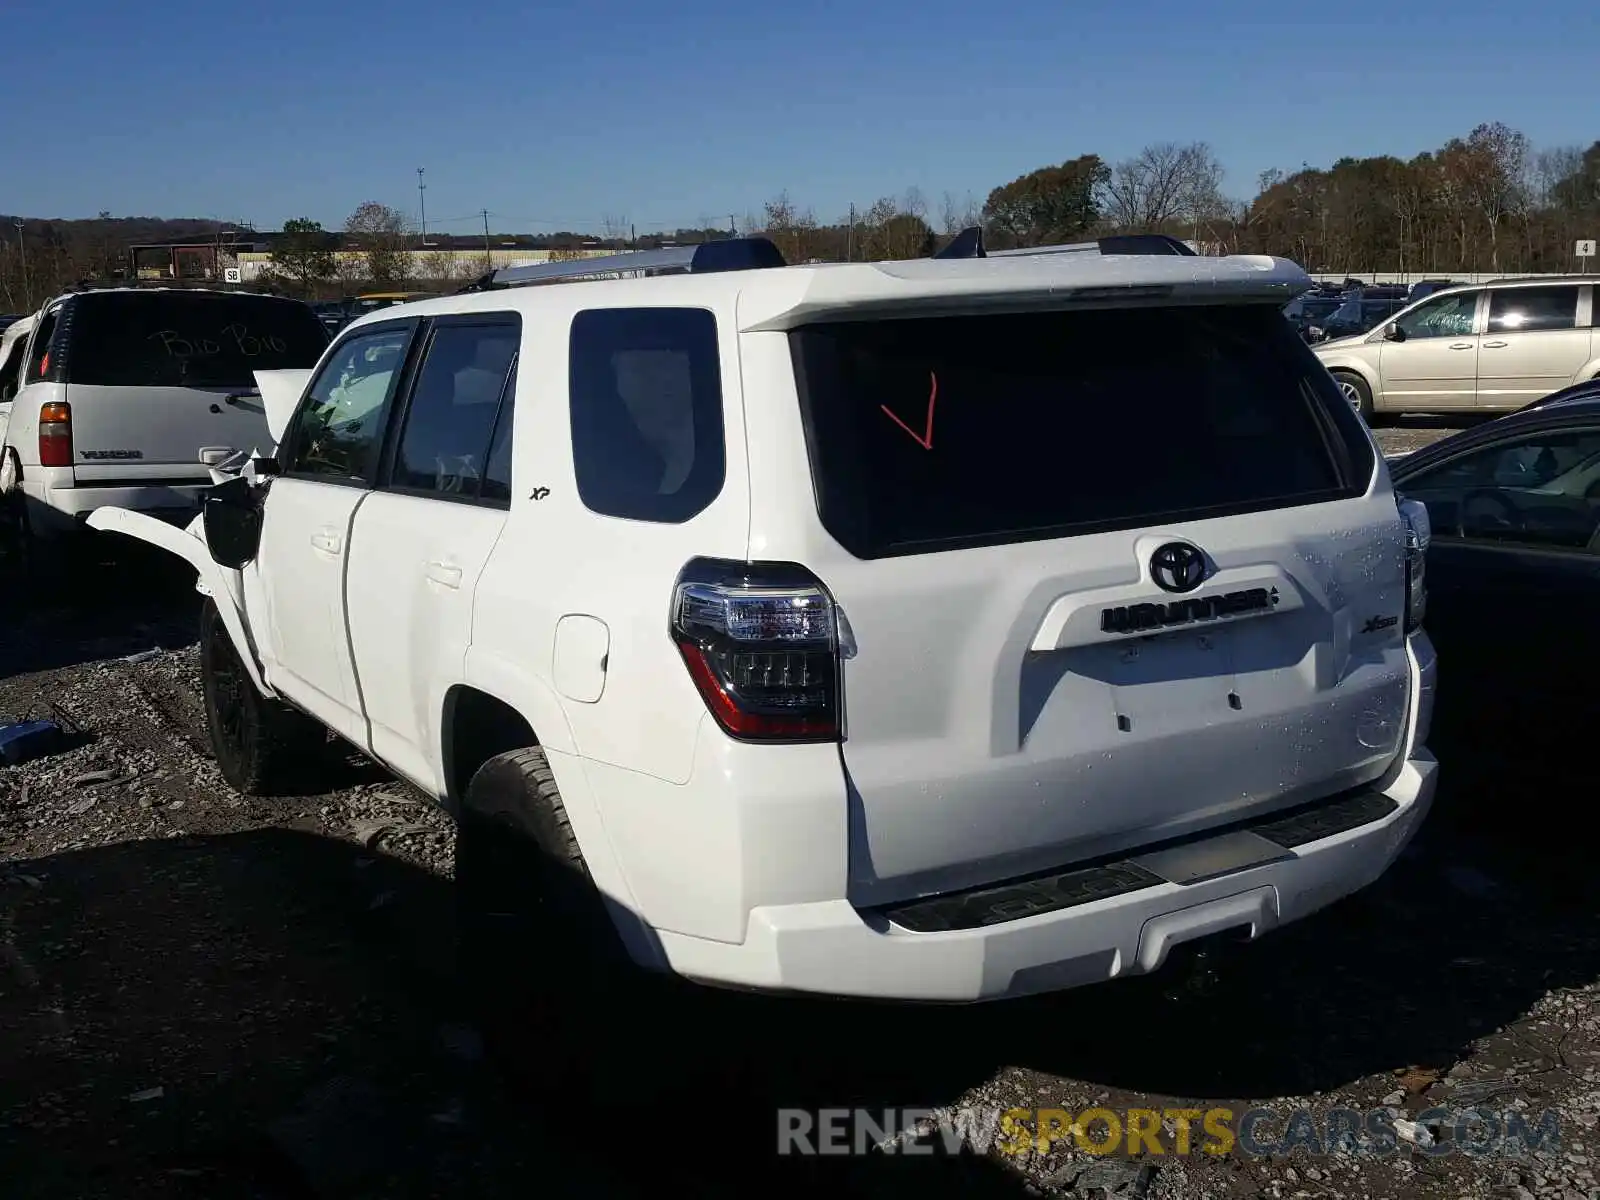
445	574
1492	345
1464	345
327	541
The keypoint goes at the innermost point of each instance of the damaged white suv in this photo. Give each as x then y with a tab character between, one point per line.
939	630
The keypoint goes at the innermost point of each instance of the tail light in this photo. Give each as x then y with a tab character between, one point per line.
55	435
761	642
1419	532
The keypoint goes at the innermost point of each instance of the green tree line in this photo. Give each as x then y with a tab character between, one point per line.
1488	201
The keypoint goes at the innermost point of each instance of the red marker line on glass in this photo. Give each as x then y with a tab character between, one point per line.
925	438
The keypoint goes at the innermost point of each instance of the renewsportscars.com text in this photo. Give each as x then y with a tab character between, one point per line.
1216	1131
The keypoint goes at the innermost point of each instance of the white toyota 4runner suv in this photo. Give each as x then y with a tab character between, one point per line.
942	630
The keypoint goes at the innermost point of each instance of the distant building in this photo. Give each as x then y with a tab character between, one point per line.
443	256
425	264
192	259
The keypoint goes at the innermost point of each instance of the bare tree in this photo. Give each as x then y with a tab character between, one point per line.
1164	184
959	212
378	234
1495	159
615	229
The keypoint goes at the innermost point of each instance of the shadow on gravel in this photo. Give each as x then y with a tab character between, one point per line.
118	598
294	1002
1482	916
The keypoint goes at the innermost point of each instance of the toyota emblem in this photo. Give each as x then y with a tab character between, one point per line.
1177	567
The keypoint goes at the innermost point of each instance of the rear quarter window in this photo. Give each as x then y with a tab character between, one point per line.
932	434
195	339
645	389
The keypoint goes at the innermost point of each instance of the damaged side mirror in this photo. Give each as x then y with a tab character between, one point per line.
232	521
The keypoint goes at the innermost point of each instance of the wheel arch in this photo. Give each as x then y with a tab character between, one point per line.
500	709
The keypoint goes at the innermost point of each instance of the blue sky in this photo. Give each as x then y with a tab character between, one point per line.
663	114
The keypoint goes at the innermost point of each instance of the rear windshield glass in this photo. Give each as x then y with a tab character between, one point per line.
194	339
934	433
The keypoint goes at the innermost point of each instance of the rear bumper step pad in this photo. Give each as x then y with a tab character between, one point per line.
1183	861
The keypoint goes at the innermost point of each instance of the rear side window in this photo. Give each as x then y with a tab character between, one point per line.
1531	309
936	433
450	421
39	356
188	339
645	387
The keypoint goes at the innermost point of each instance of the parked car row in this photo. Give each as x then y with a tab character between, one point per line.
1488	347
336	314
1330	310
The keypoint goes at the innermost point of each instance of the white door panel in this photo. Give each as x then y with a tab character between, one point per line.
414	564
301	566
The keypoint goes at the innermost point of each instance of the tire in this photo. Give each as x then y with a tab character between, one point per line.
1357	392
543	968
260	744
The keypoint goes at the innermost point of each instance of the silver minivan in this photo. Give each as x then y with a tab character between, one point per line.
1490	347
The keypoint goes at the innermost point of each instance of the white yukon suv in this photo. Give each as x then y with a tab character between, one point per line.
127	396
939	630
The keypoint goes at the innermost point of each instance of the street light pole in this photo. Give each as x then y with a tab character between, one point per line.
22	248
422	206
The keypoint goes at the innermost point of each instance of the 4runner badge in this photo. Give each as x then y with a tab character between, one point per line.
1376	623
1143	618
97	454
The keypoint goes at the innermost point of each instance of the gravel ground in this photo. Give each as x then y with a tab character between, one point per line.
1399	437
211	997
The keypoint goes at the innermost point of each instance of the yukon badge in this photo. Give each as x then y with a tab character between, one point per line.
117	454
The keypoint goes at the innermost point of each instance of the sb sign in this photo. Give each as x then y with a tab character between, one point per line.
230	274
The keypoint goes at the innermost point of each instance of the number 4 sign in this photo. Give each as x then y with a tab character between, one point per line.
1586	248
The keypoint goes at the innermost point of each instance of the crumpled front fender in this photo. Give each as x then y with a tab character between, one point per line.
189	544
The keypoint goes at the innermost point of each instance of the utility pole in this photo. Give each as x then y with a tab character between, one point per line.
422	206
22	248
850	241
488	256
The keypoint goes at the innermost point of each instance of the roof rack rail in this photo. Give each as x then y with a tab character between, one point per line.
727	254
969	244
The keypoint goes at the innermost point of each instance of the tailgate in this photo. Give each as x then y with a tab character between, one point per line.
1111	576
161	383
132	435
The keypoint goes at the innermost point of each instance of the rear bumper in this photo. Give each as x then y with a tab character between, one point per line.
63	509
745	886
831	948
